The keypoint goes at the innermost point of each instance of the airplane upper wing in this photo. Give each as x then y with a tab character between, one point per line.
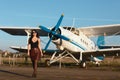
106	30
91	31
21	30
101	30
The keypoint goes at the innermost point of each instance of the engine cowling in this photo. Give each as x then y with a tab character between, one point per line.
54	37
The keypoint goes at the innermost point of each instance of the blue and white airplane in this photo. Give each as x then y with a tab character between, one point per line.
73	42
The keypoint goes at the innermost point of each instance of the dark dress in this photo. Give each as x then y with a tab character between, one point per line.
35	53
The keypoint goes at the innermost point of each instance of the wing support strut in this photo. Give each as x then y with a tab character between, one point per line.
80	57
28	32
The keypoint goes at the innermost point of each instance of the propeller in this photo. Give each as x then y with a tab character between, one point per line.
53	31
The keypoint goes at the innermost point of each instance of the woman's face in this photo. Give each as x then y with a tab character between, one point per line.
34	33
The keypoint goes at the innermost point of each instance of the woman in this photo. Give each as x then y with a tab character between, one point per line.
34	50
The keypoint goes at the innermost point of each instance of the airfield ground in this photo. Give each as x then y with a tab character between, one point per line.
12	69
54	73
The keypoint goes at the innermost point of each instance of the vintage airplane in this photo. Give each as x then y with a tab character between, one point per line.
74	42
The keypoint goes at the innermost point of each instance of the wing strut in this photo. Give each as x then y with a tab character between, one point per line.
28	32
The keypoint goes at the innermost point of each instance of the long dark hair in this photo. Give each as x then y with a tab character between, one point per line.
30	39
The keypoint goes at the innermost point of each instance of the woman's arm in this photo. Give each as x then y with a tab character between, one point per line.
39	45
28	49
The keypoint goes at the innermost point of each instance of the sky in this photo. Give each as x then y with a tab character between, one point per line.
32	13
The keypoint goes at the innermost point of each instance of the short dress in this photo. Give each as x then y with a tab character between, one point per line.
35	53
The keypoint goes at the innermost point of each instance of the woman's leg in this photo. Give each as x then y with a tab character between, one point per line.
35	67
34	64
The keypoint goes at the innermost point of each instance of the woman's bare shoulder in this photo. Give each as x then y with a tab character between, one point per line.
38	39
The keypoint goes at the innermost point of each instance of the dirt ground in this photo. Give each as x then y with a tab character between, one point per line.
54	73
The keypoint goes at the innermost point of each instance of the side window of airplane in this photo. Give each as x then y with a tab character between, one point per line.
92	45
76	32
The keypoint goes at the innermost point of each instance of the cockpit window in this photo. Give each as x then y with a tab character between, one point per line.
72	29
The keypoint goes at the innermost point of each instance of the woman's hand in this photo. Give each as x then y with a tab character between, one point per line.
41	54
28	54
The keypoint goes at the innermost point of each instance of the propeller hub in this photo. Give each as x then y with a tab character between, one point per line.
54	37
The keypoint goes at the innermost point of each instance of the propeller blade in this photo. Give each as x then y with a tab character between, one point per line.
45	29
59	22
47	44
67	39
62	37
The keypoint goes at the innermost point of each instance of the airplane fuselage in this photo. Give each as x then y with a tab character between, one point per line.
83	42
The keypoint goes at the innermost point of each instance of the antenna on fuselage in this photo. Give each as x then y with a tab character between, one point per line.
73	24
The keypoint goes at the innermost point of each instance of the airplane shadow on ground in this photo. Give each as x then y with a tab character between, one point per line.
15	73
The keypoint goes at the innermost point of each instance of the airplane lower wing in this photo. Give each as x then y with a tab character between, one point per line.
102	52
108	46
24	50
20	49
85	54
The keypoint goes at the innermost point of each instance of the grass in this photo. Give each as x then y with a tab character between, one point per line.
105	65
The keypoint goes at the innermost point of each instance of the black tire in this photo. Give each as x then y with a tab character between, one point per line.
98	64
47	63
83	64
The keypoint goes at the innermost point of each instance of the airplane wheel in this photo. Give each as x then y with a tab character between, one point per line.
47	63
83	64
98	64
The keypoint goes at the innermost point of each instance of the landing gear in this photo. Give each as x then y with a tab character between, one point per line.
83	64
54	58
47	63
97	64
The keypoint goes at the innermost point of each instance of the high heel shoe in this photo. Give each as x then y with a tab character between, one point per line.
34	75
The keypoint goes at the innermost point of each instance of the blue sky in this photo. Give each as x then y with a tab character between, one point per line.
46	12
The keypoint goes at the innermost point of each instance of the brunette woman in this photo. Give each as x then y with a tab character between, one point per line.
34	50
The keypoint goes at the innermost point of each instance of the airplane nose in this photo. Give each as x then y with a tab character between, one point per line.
55	37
